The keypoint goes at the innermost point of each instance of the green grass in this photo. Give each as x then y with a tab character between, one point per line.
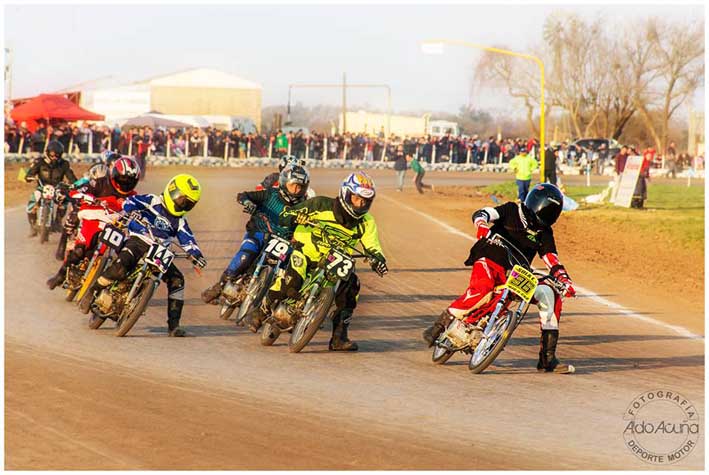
674	213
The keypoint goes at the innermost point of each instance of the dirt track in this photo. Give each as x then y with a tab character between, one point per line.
86	400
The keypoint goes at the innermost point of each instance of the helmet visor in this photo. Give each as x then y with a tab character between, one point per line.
182	202
126	183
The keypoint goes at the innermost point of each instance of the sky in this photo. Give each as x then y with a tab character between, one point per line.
56	46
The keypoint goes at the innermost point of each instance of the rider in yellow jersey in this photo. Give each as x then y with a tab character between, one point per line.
347	217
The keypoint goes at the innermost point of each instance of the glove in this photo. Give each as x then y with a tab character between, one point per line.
302	217
564	278
249	207
483	231
379	265
200	261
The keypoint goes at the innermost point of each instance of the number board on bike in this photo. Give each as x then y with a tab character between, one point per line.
159	256
278	247
112	237
522	282
339	264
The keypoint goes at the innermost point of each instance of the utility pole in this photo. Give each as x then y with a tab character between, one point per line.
344	103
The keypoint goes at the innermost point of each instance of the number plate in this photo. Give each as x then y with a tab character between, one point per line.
522	282
278	248
339	264
48	192
159	256
112	237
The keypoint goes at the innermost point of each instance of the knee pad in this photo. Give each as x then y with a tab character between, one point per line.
546	300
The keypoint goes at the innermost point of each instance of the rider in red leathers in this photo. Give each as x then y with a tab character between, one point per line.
528	227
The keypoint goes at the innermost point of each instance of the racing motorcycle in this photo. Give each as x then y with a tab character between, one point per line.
50	200
304	314
125	301
248	290
497	319
82	276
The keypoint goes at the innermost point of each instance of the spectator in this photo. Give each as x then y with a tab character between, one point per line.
420	172
671	160
523	165
400	166
620	160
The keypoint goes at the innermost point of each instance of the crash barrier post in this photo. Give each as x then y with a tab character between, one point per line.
384	151
588	173
467	159
270	149
416	152
248	149
433	154
450	154
499	160
187	146
485	158
22	144
109	142
226	151
91	142
289	147
46	144
130	144
324	149
307	150
167	146
344	153
206	143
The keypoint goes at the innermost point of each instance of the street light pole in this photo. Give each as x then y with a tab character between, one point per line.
436	47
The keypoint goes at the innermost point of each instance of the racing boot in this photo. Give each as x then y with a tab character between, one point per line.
174	313
431	333
57	279
32	218
340	325
548	361
211	294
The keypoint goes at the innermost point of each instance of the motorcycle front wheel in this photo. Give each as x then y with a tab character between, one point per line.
308	326
136	308
254	293
488	349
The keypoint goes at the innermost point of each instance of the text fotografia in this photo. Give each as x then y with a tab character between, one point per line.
662	427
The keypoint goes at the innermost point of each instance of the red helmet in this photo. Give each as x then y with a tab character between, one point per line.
124	175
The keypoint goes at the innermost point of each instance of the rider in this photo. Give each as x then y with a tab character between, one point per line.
51	169
348	215
292	188
528	227
111	190
97	171
166	215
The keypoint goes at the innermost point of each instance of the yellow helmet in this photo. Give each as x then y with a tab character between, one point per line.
181	194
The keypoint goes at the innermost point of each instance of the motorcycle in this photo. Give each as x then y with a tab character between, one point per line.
82	276
50	199
125	301
304	314
250	288
496	320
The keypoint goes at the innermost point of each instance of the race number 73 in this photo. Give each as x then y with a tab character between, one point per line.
339	264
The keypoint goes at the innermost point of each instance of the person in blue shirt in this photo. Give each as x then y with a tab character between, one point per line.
292	189
166	215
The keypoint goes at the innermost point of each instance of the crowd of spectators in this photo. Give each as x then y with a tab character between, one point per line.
83	137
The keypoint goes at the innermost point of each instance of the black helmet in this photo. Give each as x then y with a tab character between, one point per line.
293	174
55	149
544	201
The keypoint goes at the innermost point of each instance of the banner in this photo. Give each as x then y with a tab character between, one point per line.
628	180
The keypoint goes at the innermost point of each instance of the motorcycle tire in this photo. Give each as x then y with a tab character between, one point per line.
504	333
255	293
44	225
90	277
269	334
135	311
226	310
440	355
308	326
95	321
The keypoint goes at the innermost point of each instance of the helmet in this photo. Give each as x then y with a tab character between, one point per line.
360	184
181	194
544	201
293	174
289	160
109	156
54	149
124	175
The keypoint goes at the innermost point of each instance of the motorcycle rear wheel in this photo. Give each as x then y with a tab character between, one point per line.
95	321
308	326
440	354
269	334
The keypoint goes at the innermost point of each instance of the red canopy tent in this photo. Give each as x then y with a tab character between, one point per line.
51	106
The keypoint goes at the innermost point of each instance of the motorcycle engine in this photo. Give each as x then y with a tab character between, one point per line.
104	301
458	333
282	313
